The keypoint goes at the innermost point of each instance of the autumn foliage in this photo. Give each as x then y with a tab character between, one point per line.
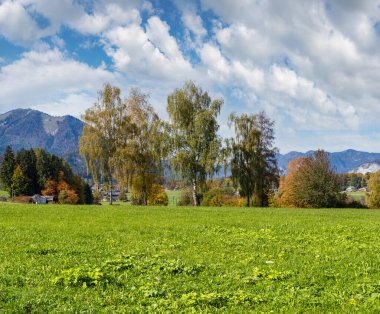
373	197
65	193
310	182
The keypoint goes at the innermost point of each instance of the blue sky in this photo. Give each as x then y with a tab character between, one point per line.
313	66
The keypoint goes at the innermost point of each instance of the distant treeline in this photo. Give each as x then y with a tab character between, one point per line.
34	171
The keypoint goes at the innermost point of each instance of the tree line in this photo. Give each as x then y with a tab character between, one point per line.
34	171
124	141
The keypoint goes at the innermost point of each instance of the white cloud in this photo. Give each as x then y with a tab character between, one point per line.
319	61
149	55
73	15
217	66
16	25
158	33
47	76
194	23
74	104
313	65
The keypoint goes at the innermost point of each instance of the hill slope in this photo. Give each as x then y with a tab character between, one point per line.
27	128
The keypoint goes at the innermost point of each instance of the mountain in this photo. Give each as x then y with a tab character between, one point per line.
368	167
344	161
27	128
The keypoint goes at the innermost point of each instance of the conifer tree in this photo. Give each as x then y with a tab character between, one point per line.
20	182
7	169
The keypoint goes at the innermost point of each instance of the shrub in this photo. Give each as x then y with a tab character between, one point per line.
346	201
234	201
122	196
68	197
97	197
373	197
158	196
22	199
185	197
273	199
221	197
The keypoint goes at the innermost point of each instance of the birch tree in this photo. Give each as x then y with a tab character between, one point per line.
101	133
195	142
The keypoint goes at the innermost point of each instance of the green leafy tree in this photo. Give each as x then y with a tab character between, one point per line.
20	182
7	169
195	142
373	197
253	156
138	157
99	141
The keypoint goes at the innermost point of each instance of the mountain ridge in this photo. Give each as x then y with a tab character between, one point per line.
344	161
28	128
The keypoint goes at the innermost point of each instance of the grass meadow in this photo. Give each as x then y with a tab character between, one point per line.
118	259
4	193
357	196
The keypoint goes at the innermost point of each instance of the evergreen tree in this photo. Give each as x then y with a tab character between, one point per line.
7	169
88	196
46	170
28	162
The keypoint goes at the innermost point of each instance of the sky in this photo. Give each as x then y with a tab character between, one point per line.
313	66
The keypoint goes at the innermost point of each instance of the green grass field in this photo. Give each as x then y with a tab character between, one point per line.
4	193
358	196
173	197
103	259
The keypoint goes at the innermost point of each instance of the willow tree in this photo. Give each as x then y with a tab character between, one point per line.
195	142
253	156
100	138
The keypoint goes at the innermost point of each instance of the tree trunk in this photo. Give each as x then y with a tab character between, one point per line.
144	193
195	194
110	191
248	201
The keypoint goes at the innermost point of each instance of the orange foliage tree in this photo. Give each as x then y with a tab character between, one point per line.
51	188
290	184
65	193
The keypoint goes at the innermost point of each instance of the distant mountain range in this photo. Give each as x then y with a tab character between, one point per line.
346	161
27	128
